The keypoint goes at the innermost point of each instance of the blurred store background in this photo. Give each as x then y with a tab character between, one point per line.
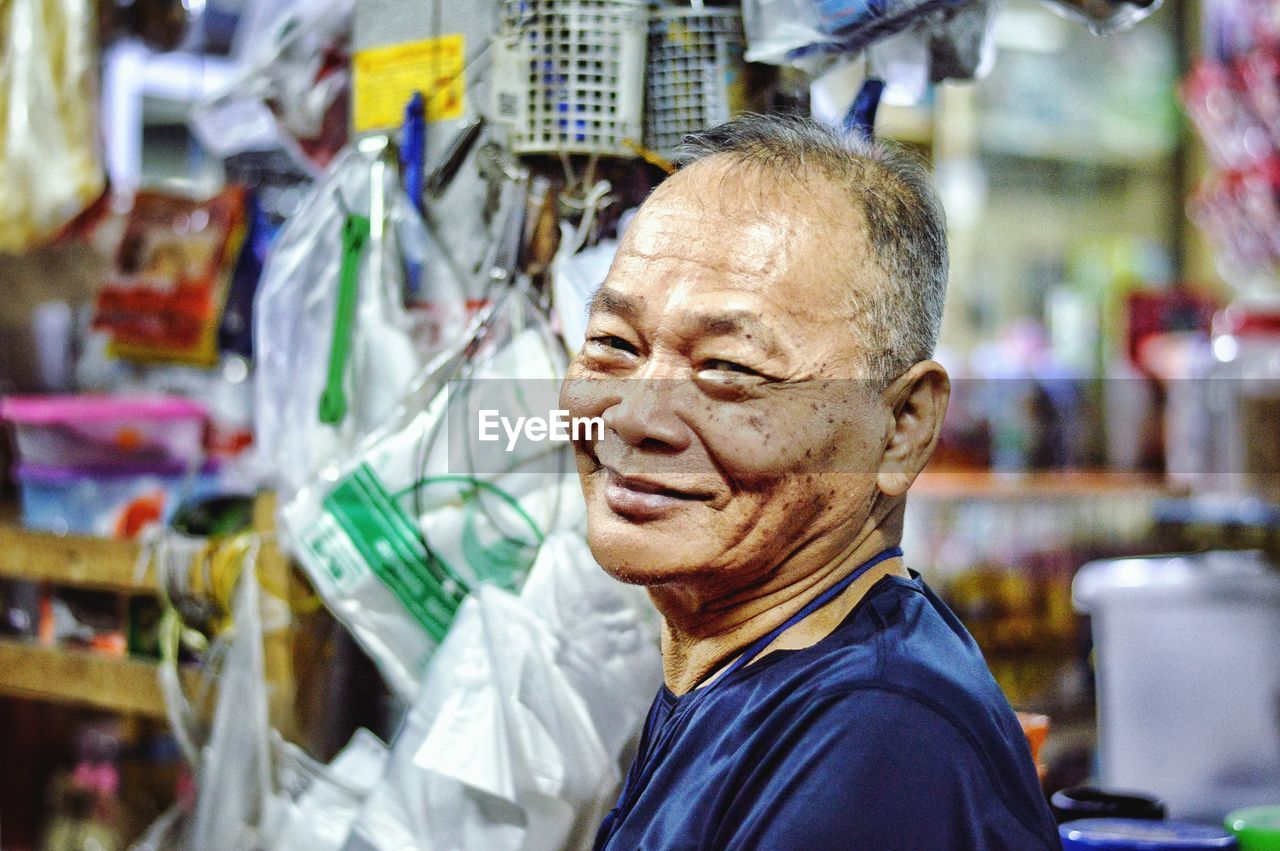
245	243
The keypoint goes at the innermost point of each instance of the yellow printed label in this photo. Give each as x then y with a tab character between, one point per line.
387	77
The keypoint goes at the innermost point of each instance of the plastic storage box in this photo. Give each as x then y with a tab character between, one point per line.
1108	834
1188	673
106	431
109	502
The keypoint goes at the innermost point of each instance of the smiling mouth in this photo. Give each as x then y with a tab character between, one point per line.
640	498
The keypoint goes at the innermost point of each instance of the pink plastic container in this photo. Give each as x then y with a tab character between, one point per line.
106	431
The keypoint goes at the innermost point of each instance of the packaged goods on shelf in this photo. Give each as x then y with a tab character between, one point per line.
115	501
163	300
105	431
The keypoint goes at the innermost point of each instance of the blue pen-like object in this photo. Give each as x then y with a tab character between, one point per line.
413	151
413	145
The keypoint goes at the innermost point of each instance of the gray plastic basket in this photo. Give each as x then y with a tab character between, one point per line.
569	75
695	72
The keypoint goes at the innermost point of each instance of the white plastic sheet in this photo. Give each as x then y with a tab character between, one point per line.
516	735
320	818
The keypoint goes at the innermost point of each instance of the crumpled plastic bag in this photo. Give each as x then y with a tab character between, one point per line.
515	737
50	161
294	91
781	32
396	534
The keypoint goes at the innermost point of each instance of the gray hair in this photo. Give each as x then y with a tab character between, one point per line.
901	315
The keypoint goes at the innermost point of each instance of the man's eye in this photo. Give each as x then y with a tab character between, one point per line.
610	341
718	365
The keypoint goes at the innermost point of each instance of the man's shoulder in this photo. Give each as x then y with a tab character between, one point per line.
903	639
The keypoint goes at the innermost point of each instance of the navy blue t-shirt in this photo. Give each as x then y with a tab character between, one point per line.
889	733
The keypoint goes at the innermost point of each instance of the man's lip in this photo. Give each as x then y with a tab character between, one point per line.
643	485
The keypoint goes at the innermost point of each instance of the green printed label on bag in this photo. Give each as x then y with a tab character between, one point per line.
372	529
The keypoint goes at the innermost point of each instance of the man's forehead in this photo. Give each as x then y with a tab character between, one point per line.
711	318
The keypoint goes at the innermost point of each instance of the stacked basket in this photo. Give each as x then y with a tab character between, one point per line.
570	75
695	77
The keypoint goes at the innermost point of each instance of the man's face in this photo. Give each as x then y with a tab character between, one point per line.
722	355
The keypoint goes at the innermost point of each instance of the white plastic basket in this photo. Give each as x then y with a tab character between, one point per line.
569	75
695	72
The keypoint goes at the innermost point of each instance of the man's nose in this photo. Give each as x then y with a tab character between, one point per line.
646	415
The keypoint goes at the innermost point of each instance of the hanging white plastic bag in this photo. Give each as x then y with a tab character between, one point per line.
515	738
50	163
577	272
236	795
298	301
396	536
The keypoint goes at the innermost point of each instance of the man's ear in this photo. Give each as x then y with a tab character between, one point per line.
917	402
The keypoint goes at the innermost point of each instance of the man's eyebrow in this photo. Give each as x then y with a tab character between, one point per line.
741	322
608	300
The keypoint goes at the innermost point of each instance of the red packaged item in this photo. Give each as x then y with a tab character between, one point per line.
1218	102
163	300
1260	200
1260	72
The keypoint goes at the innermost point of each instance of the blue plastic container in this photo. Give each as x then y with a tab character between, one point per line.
1116	834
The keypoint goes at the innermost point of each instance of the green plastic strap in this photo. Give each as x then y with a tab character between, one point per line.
355	238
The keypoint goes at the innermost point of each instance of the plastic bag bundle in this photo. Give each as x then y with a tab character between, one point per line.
1105	17
784	31
50	164
397	535
294	92
297	333
516	734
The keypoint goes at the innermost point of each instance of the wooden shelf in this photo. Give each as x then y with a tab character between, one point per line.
81	678
105	564
943	483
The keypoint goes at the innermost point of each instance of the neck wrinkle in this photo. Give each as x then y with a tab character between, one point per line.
694	644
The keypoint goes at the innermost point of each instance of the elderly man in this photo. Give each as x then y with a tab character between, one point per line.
759	353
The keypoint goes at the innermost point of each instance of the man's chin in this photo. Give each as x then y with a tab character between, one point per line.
644	553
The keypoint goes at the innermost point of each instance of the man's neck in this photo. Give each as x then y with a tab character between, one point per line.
700	635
